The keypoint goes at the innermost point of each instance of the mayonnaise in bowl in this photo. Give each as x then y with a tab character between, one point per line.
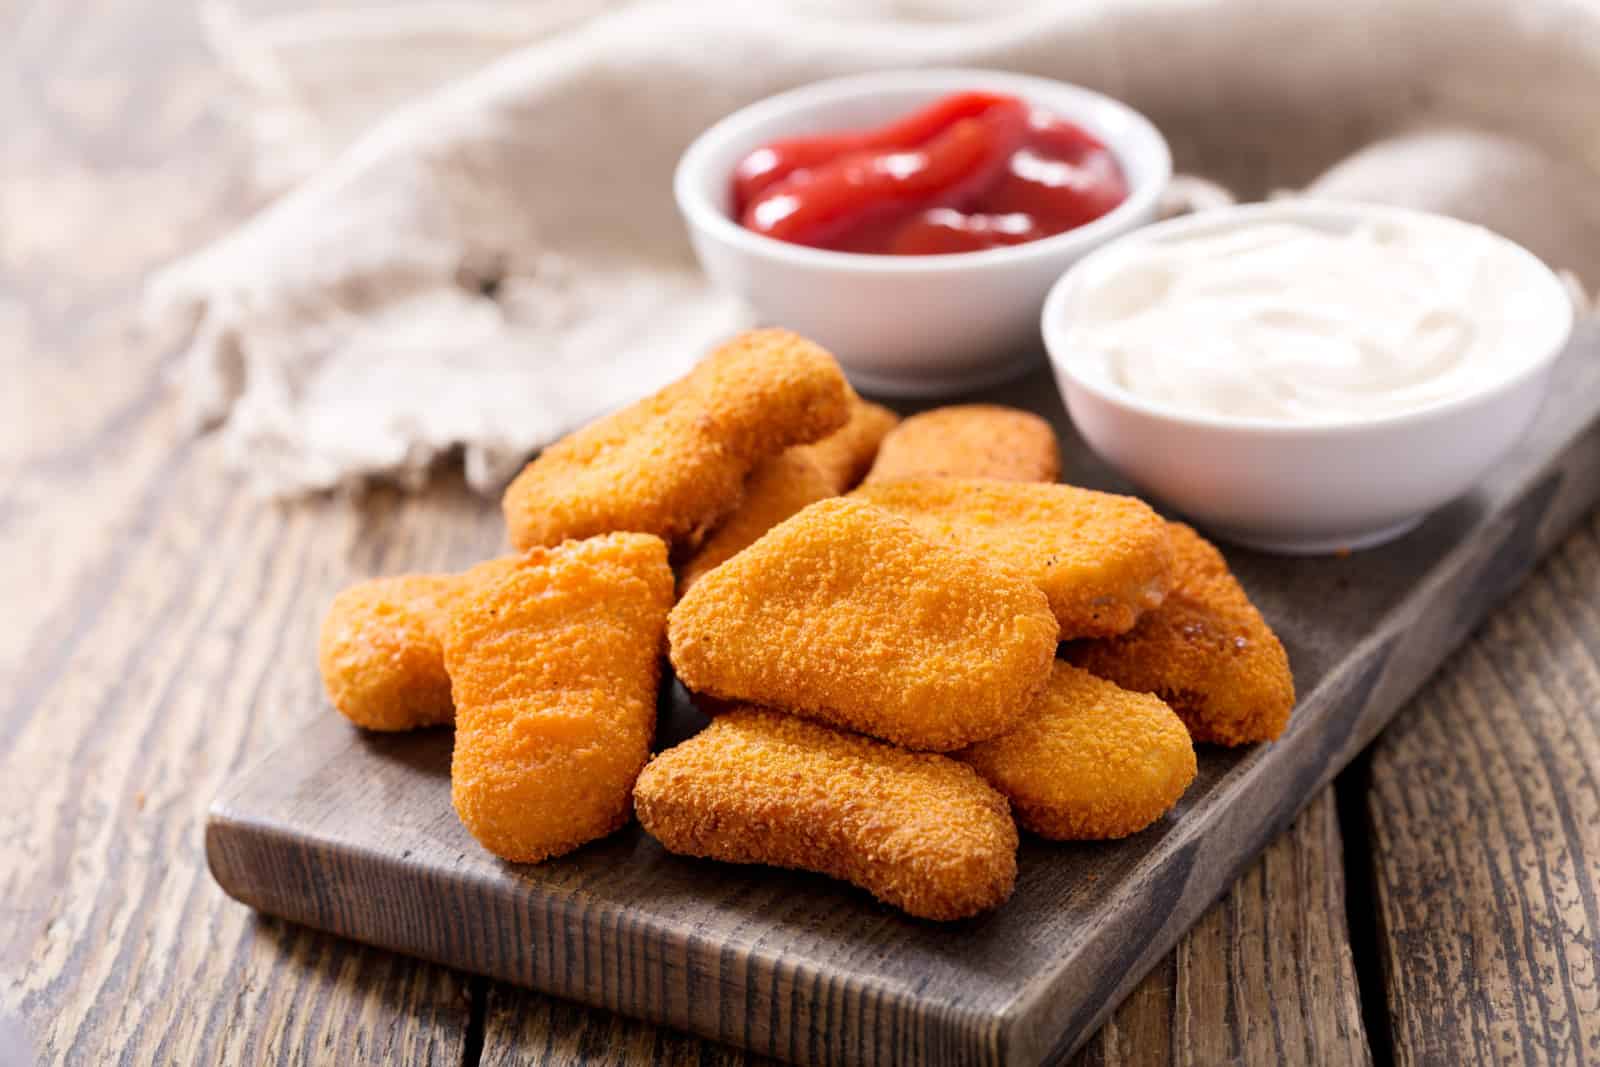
1278	320
1305	376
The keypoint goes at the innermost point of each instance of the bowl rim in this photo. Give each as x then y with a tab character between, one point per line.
1054	321
703	214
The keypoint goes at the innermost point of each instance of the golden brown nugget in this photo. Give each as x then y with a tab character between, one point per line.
847	615
970	441
918	831
1206	651
777	488
380	649
554	672
675	463
846	455
1091	761
1101	559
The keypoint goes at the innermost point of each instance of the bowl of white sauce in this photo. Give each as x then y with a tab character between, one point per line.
1306	376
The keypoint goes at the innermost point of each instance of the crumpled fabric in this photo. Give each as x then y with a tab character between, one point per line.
478	249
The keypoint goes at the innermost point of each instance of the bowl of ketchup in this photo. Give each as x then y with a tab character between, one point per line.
913	221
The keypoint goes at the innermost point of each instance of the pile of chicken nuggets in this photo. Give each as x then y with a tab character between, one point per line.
910	638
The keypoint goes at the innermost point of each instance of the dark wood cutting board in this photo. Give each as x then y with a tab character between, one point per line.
354	833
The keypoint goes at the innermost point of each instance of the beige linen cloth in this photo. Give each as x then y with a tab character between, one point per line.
478	247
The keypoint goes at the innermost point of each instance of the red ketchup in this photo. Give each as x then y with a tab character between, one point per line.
972	171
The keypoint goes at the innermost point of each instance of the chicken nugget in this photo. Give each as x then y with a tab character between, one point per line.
1101	559
918	831
379	650
846	614
675	463
1091	761
554	671
846	455
970	441
777	488
1206	651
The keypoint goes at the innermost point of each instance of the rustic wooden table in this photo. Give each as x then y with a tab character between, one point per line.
1438	906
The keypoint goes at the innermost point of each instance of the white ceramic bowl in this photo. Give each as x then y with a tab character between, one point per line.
1307	489
906	325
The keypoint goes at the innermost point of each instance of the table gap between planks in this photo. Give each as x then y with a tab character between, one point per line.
164	613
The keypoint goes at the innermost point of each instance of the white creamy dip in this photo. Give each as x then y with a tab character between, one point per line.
1289	323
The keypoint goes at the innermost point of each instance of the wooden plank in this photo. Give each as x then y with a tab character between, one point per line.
1264	977
524	1029
804	970
1485	813
159	612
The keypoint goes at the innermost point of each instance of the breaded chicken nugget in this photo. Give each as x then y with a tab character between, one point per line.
554	671
918	831
379	650
846	455
1206	651
846	614
674	463
1102	559
777	488
1090	761
970	441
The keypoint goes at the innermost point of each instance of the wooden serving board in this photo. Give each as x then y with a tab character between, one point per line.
354	833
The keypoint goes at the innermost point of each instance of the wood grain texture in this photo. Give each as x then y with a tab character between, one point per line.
1485	812
154	604
524	1029
807	971
1265	977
